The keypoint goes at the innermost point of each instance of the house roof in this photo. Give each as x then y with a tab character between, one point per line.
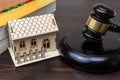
32	26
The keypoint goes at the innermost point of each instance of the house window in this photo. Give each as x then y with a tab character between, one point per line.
15	49
46	43
22	44
33	42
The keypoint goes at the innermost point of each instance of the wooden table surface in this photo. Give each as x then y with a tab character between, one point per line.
71	15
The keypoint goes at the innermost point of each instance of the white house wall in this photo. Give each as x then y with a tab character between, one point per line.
11	43
40	38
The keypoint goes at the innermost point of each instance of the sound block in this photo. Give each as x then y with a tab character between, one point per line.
100	57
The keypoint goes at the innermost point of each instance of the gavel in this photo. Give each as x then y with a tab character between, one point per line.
99	22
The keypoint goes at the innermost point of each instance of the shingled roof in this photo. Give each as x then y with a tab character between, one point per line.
32	26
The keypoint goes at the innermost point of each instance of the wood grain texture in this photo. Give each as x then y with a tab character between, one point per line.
71	15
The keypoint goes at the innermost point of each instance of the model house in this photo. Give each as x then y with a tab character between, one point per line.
32	39
15	9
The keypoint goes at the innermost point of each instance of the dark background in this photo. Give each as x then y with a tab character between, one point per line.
71	15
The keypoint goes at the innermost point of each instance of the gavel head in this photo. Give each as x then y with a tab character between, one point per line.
98	22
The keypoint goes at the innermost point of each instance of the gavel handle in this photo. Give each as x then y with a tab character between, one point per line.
114	28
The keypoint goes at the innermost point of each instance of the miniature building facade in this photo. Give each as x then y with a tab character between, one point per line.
34	44
32	39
